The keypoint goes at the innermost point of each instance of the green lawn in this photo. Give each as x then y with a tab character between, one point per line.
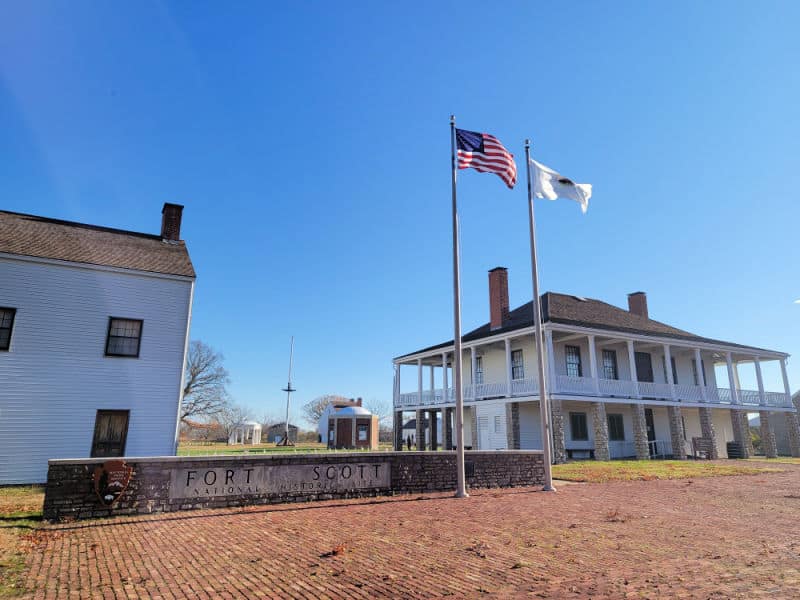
592	471
195	449
20	512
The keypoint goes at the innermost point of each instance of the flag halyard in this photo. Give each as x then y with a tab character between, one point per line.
485	154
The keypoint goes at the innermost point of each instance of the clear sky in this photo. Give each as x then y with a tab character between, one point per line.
310	145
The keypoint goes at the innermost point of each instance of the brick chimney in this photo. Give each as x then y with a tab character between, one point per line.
358	401
171	222
637	304
498	297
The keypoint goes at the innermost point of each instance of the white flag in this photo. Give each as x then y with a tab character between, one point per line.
550	185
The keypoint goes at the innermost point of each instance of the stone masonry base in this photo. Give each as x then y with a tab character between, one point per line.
70	492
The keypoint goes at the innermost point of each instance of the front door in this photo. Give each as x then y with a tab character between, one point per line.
651	431
344	433
110	433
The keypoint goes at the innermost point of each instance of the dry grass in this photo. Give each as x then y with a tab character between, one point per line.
787	460
20	511
21	501
647	470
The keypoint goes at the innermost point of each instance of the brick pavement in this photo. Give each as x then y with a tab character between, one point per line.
725	537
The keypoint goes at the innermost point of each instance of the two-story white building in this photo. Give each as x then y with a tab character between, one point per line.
621	384
94	326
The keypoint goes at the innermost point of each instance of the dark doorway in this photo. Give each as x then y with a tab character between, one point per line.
110	433
344	433
644	367
651	431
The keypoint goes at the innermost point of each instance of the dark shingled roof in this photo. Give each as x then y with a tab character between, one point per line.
29	235
583	312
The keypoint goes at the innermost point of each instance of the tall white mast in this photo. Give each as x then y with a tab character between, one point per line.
288	389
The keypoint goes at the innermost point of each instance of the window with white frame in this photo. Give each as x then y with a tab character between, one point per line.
517	366
573	355
610	364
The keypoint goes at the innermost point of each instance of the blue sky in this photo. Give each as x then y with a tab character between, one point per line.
310	145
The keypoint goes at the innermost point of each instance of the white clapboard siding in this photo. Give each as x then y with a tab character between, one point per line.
56	375
492	426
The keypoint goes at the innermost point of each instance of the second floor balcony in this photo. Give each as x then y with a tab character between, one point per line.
598	388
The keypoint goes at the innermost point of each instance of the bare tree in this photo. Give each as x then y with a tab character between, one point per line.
312	411
382	409
231	415
267	419
205	391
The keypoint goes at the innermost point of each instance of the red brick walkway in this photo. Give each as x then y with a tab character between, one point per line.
726	537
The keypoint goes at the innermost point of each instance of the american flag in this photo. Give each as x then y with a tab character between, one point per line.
485	153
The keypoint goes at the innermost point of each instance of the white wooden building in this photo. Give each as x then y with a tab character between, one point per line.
621	384
94	326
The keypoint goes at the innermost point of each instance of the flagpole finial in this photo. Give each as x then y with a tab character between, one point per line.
452	119
527	143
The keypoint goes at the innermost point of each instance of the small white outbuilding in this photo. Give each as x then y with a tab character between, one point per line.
247	432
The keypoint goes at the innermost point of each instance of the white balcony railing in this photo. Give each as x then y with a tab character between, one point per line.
777	399
575	385
749	397
525	387
620	388
648	389
608	388
490	390
689	393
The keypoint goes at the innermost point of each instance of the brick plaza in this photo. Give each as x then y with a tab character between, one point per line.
723	537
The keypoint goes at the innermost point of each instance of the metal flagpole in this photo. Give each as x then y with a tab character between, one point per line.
461	487
544	405
289	389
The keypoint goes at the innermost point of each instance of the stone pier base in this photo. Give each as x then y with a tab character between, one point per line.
600	423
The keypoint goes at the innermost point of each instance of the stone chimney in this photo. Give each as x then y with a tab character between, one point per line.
171	222
498	297
637	304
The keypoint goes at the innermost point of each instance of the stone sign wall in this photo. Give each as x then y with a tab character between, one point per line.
184	483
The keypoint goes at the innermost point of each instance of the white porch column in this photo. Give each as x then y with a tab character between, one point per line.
634	374
593	365
444	377
551	362
786	387
762	399
508	367
474	362
733	381
433	384
668	369
396	390
419	380
701	374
